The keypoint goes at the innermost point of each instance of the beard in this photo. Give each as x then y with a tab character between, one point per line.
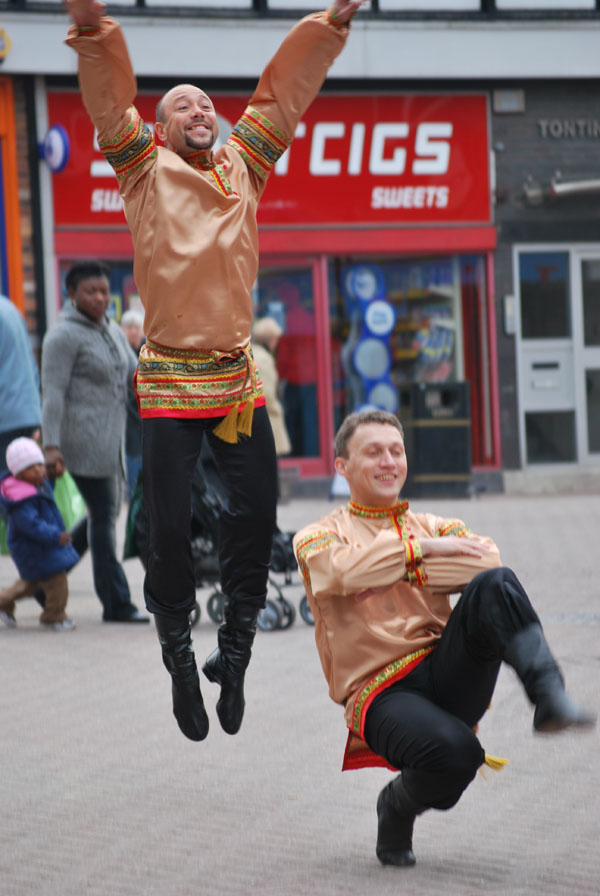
204	141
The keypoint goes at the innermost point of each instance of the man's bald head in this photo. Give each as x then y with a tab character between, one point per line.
167	98
186	120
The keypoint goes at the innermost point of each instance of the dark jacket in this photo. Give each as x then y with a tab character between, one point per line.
33	530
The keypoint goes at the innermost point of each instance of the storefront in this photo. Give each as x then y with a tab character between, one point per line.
376	242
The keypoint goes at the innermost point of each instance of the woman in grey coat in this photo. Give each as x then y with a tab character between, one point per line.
86	367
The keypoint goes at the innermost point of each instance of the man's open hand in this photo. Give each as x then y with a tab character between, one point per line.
85	13
344	10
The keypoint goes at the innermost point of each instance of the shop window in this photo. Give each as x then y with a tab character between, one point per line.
550	437
393	322
436	331
545	295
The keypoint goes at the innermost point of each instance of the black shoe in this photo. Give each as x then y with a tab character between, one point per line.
178	656
228	663
555	712
396	813
134	615
529	655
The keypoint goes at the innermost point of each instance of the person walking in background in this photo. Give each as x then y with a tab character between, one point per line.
266	333
20	409
192	215
86	368
132	324
39	545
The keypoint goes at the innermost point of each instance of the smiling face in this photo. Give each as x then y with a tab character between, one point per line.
375	466
188	120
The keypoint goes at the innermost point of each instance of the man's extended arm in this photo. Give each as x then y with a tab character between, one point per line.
288	85
106	78
296	72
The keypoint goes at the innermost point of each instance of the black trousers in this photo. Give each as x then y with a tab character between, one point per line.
423	724
170	450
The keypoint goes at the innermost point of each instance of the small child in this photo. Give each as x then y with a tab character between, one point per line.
39	545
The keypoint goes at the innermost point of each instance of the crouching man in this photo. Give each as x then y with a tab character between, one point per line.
415	676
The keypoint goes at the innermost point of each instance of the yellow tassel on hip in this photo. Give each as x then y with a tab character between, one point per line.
227	430
236	423
244	424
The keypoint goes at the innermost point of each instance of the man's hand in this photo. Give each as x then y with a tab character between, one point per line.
55	462
343	10
85	13
452	546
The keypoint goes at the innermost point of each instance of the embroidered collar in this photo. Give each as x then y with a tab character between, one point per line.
377	513
201	159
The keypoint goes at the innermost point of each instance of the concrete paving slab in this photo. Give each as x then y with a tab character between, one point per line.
101	795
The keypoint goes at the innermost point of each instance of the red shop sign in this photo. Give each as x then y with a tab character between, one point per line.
381	160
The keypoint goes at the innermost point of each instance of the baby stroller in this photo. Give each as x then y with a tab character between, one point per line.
207	498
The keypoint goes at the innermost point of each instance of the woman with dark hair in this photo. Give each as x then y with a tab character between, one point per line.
86	367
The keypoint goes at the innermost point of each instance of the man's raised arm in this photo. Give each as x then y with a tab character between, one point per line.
106	79
294	76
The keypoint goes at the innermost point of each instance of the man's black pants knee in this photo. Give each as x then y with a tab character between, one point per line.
423	724
170	450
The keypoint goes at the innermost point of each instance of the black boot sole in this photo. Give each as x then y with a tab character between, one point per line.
216	677
193	723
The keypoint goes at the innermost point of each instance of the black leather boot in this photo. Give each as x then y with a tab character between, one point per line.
228	663
529	655
396	813
175	639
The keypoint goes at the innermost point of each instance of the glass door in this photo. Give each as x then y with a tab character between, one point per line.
293	293
587	320
546	357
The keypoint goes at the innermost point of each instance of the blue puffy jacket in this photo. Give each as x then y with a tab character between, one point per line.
33	530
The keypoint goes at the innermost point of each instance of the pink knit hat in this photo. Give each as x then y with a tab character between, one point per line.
22	453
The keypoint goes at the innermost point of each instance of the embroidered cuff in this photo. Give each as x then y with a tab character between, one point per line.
312	544
333	19
414	558
131	148
259	142
453	527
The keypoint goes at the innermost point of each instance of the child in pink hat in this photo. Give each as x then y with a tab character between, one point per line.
39	545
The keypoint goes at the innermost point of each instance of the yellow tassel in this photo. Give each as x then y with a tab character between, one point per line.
228	427
244	424
495	762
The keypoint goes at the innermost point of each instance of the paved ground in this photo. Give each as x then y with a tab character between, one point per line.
100	794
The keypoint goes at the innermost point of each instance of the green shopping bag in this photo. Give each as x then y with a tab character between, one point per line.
3	545
68	499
